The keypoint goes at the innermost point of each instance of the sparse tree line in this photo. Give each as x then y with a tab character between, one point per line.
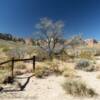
9	37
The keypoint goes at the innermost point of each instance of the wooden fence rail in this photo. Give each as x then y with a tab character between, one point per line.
13	60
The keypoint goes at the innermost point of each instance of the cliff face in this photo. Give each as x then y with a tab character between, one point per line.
91	42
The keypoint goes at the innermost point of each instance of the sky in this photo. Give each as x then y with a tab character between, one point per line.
19	17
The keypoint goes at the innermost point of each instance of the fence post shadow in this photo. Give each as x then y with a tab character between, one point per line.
22	87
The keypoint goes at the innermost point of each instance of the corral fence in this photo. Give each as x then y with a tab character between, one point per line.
14	60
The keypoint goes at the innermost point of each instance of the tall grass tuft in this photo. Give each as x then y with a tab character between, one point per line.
78	88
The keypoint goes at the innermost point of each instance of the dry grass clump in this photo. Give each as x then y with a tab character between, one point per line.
97	53
3	74
20	65
42	72
4	71
19	68
69	72
55	66
41	54
18	72
78	88
86	55
47	67
21	72
39	72
65	55
61	68
5	49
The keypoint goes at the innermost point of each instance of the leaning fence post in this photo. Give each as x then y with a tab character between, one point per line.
33	63
12	68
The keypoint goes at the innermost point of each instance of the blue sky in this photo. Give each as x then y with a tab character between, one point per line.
19	17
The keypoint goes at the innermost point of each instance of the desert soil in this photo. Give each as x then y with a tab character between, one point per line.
50	88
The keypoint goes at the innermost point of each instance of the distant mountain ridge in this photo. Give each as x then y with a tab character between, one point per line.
10	37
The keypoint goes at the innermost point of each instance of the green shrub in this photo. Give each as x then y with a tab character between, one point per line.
78	88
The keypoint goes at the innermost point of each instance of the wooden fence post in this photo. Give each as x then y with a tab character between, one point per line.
12	68
33	63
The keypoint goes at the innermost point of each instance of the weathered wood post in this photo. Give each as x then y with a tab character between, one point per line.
33	63
12	68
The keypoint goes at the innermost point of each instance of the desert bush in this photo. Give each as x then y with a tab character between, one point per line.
69	72
5	66
18	72
19	68
4	71
78	88
16	53
42	54
97	52
20	65
60	67
2	46
82	64
70	53
85	65
30	51
42	72
5	49
55	67
64	56
86	55
3	75
39	73
29	71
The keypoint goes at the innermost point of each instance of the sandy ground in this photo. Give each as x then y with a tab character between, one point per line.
50	88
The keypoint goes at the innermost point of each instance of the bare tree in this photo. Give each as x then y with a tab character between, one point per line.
50	35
